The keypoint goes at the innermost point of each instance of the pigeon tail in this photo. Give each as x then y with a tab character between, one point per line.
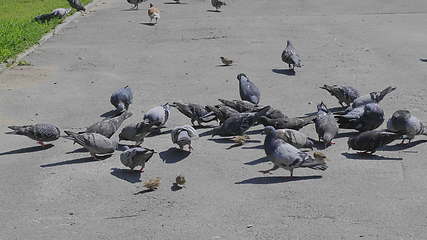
384	92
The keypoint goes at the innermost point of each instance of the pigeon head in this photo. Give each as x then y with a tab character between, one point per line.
151	5
269	130
242	76
121	107
322	107
288	43
166	106
327	138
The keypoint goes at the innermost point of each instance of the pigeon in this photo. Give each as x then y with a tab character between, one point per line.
373	97
217	4
76	4
122	98
195	112
286	156
295	138
135	3
237	124
135	132
221	112
41	132
248	91
282	123
226	61
108	126
182	136
369	141
344	94
240	105
364	118
402	121
95	143
58	13
138	156
326	125
290	57
157	116
153	13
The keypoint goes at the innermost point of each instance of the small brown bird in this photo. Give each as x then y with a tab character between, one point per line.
226	61
152	184
180	180
153	13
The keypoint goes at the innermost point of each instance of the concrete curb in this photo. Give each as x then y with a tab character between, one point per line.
46	37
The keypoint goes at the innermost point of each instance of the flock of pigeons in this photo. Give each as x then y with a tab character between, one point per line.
284	144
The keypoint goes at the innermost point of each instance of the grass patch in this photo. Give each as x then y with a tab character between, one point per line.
18	30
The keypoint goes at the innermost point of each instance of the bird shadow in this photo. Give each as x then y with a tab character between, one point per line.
148	24
203	126
129	10
366	156
78	150
423	59
67	162
261	146
215	11
158	133
345	134
221	140
207	133
173	155
28	149
288	72
277	179
128	175
254	132
257	161
175	3
399	147
144	191
110	114
175	187
224	65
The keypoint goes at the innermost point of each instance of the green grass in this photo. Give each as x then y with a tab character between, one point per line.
18	30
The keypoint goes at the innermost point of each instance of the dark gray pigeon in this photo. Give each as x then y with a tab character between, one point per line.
95	143
135	3
369	141
138	156
56	13
344	94
76	4
402	121
41	132
182	136
286	156
364	118
290	56
326	125
373	97
195	112
283	123
157	116
237	124
248	91
135	132
240	105
217	4
108	126
122	98
221	112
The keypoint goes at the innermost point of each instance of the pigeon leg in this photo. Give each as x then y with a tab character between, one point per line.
190	148
289	66
141	170
94	156
42	143
275	167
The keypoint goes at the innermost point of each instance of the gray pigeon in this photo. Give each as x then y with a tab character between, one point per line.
195	112
122	98
248	91
282	123
217	4
135	3
157	116
138	156
183	135
373	97
403	122
364	118
56	13
135	132
108	126
237	124
95	143
221	112
369	141
286	156
76	4
295	138
290	56
344	94
326	125
41	132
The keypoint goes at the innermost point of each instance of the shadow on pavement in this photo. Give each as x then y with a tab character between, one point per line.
132	176
273	180
28	150
173	155
365	156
